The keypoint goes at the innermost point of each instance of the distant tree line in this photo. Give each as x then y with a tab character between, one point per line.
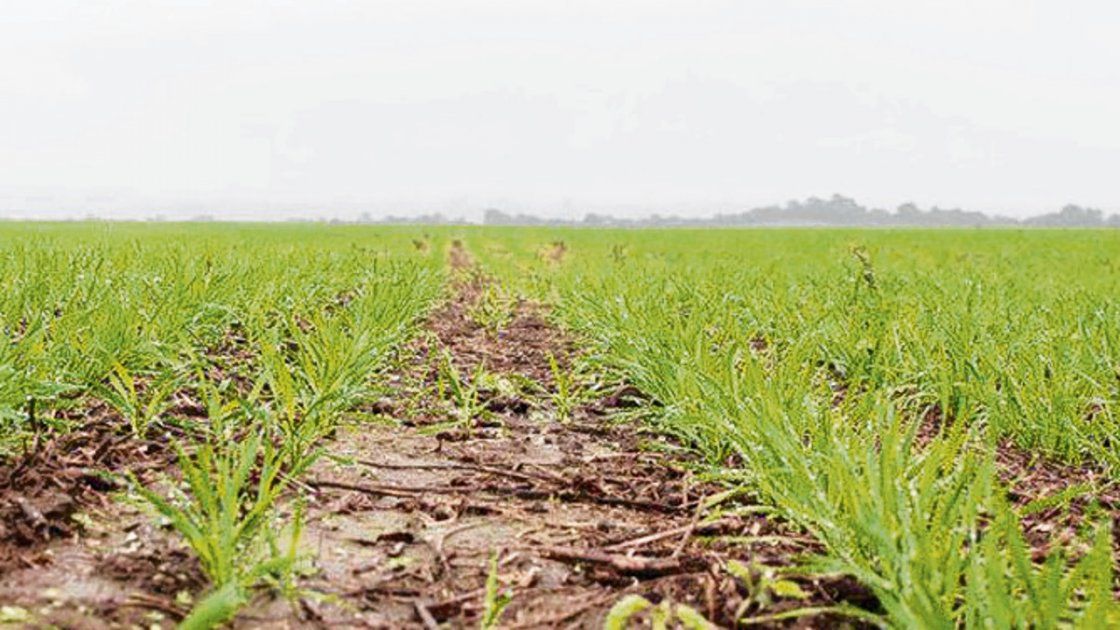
836	211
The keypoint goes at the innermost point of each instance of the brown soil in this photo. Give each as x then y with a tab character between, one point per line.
1063	496
42	490
70	555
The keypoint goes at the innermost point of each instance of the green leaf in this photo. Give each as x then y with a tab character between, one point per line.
215	609
623	610
691	619
14	614
788	589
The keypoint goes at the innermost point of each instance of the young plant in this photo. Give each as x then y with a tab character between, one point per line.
493	310
226	512
661	616
764	585
140	404
462	392
222	512
494	602
568	395
300	428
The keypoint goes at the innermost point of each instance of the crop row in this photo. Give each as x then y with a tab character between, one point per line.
863	383
238	349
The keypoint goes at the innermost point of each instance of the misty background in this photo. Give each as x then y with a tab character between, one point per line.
627	108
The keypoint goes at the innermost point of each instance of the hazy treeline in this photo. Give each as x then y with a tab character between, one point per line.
835	211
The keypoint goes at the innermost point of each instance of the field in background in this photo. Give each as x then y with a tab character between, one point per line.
936	411
1018	330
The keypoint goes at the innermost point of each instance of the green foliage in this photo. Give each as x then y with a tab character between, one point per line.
495	601
276	332
863	379
115	310
140	403
817	362
661	616
567	395
493	310
227	503
461	391
226	510
215	609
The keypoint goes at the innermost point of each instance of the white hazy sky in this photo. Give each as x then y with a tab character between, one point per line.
267	108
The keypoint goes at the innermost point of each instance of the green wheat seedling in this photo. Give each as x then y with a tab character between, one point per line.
226	509
764	585
462	392
493	310
210	514
494	601
300	426
869	418
140	405
777	356
568	394
278	572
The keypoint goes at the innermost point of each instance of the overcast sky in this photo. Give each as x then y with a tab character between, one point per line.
264	108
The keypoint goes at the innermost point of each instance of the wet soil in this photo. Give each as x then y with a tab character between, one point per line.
70	555
59	475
